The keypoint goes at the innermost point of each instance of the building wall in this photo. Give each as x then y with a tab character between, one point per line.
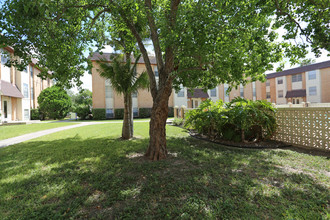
20	79
248	91
325	84
98	88
272	90
279	88
313	83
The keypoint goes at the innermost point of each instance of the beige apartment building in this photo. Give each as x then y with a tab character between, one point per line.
19	90
308	83
275	91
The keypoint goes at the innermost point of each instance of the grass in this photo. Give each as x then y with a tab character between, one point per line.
9	131
88	172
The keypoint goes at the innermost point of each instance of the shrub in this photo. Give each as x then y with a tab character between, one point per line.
99	114
82	103
35	115
82	111
54	102
239	120
119	113
177	121
144	112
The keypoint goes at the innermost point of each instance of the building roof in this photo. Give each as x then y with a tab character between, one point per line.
296	93
7	89
301	69
107	57
198	93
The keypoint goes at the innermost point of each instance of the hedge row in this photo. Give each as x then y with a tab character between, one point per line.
99	113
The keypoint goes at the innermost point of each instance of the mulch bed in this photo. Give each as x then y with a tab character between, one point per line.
268	144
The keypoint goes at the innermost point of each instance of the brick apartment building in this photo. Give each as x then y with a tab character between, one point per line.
280	88
19	90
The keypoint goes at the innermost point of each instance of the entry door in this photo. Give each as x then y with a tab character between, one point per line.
6	109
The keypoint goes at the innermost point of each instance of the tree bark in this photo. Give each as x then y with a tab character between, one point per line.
157	144
127	131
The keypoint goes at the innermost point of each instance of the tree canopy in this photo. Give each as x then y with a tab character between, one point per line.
196	43
213	41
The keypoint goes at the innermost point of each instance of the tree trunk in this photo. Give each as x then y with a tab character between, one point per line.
127	131
157	145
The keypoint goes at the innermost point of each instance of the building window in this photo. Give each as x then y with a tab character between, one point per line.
280	81
181	93
267	95
280	93
312	75
254	93
4	57
26	114
312	91
225	93
26	90
156	71
25	70
213	92
108	91
109	113
267	83
31	72
135	112
134	95
297	78
241	91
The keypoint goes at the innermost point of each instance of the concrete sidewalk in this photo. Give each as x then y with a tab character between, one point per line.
26	137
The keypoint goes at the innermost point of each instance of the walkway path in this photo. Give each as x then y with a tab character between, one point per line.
26	137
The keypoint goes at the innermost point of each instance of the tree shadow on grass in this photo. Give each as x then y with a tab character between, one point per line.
108	178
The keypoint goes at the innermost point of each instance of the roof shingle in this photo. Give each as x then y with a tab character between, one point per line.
198	93
7	89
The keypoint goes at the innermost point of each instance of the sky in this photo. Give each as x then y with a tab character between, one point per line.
87	78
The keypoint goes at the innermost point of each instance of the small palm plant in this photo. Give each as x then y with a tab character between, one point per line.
124	80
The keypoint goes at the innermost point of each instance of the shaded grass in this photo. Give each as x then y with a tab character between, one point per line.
89	173
9	131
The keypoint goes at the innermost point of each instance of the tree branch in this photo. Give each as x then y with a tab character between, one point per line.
154	36
153	84
280	10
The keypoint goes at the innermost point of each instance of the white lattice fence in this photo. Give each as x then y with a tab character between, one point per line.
304	126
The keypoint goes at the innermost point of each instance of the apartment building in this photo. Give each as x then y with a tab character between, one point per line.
19	90
302	84
280	88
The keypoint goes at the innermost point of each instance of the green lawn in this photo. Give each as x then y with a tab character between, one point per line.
9	131
88	173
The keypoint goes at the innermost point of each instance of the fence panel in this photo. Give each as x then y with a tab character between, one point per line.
308	127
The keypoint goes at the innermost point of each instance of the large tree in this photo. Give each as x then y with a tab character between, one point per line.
196	43
124	80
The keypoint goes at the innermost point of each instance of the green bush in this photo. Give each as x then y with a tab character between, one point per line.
239	120
144	112
35	115
82	103
119	113
177	121
82	111
99	114
54	103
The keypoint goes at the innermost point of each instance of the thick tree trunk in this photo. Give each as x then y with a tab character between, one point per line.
127	131
157	145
